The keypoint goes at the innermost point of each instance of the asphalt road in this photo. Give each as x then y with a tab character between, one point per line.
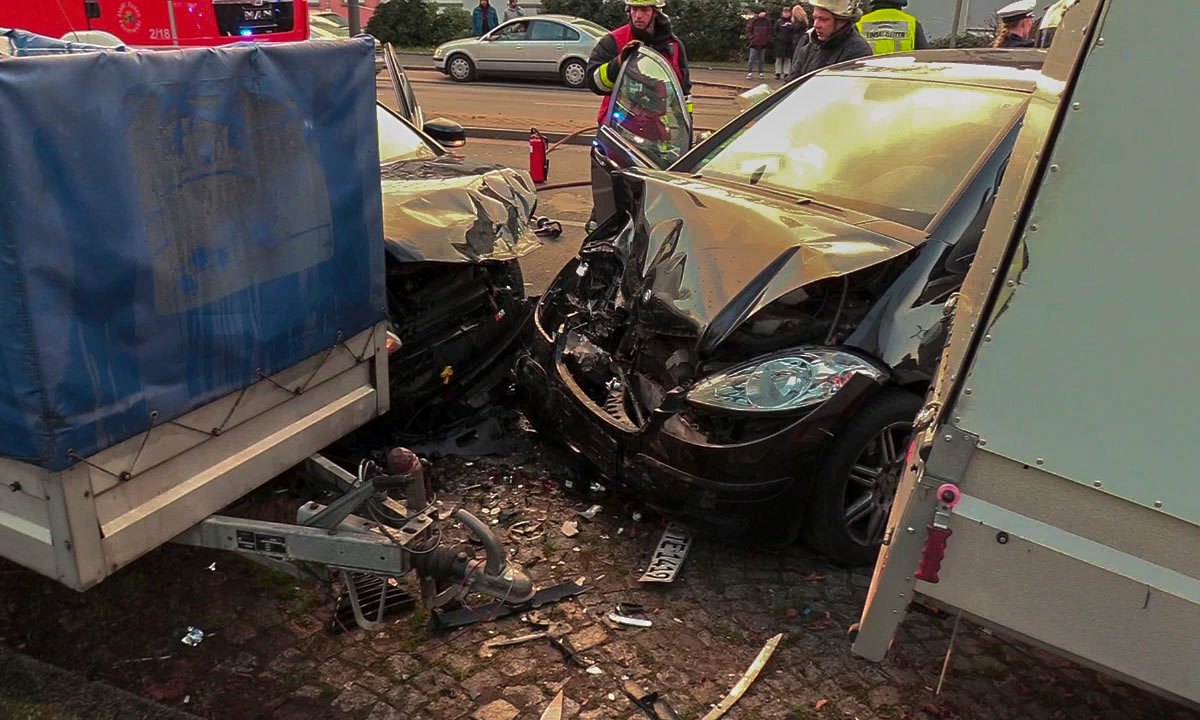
549	105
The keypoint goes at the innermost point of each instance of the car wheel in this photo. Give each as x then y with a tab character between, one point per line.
574	74
855	488
461	68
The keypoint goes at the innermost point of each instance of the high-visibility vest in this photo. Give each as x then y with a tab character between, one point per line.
889	30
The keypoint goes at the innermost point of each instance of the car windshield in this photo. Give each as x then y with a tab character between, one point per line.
893	148
398	141
590	28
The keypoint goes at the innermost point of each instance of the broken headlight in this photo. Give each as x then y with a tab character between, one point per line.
790	380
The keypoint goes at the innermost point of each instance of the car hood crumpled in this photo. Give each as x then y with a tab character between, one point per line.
703	257
454	210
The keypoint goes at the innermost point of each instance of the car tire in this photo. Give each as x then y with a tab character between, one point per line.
574	74
460	68
859	477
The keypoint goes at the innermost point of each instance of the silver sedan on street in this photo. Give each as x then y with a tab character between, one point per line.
542	46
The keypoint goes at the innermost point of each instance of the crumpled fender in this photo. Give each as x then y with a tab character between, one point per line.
451	210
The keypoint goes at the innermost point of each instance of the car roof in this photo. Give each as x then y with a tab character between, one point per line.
1006	69
554	16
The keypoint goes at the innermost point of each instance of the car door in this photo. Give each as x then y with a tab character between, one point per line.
406	101
647	126
546	45
502	50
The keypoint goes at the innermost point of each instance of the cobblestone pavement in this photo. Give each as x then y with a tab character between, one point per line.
268	651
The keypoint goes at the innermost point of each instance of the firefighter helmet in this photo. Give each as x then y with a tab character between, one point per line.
845	9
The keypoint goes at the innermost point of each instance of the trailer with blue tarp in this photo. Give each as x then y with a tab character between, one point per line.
192	247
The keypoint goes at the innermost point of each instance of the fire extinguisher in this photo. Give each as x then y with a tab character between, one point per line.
539	157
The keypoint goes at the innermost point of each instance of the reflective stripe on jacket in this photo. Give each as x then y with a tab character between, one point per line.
622	36
889	30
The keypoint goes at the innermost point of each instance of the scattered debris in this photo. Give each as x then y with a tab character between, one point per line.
536	619
824	623
488	647
650	703
631	621
554	711
494	611
744	684
194	637
668	557
527	530
546	227
569	653
637	516
812	577
143	659
212	568
590	513
570	528
594	670
821	703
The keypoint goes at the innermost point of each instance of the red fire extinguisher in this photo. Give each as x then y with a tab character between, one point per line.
539	158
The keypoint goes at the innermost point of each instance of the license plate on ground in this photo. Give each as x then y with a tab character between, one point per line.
668	557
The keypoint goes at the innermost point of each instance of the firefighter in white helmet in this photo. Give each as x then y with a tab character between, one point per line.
647	25
832	39
1016	25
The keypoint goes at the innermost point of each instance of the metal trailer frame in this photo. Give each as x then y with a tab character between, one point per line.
80	525
1057	485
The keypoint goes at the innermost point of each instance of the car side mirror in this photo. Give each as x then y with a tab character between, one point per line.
447	132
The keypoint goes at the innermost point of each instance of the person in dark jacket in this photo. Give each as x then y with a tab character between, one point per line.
783	40
1016	25
758	33
833	38
484	18
647	25
889	28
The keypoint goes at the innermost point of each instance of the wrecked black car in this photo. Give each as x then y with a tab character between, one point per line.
454	231
746	341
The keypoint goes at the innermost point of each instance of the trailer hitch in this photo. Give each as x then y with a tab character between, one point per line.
372	540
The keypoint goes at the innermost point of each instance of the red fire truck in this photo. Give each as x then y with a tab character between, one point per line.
162	23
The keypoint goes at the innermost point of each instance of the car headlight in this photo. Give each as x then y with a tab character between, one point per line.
786	381
437	53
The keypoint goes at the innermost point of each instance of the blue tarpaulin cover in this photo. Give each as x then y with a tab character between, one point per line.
171	224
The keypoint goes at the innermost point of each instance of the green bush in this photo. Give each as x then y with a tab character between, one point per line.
409	23
451	24
965	40
609	13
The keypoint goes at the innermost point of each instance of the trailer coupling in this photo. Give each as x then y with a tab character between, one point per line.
366	534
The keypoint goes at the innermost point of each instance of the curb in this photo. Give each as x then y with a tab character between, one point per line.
26	683
513	135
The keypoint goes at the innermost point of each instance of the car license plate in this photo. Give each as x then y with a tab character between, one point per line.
668	557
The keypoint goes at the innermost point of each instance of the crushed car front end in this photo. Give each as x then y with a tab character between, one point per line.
709	382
